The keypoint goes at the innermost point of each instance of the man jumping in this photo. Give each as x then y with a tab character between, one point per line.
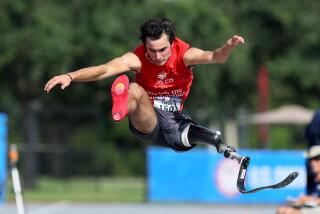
163	67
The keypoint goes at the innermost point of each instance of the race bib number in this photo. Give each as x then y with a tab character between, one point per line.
170	104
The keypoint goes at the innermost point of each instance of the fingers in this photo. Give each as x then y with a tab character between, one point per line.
238	39
50	84
62	80
63	86
235	40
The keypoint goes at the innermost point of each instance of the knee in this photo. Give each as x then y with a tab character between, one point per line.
136	91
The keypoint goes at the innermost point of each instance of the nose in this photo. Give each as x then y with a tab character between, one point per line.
158	56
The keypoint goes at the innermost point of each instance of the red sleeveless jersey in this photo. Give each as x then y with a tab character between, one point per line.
171	80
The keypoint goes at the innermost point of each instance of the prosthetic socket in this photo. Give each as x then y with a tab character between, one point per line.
194	134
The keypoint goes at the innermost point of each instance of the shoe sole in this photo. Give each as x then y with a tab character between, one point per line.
119	89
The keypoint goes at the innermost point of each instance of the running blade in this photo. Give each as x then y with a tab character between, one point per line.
242	175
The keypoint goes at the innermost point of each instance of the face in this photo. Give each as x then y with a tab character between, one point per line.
158	50
315	168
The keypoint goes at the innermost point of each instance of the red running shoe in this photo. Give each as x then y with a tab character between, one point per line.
119	92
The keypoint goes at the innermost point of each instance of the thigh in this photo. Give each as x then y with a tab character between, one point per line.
167	132
141	112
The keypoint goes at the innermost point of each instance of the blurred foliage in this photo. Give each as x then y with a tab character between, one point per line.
280	137
40	39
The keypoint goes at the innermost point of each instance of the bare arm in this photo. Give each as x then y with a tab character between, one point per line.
196	56
124	63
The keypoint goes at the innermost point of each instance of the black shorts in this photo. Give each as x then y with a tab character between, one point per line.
168	130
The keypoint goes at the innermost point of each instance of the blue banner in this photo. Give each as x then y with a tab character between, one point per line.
3	155
203	175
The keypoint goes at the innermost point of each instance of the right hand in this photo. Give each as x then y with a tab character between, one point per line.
64	80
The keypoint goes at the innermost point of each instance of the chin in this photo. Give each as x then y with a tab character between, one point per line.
162	62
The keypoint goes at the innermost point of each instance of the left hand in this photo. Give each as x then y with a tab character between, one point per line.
234	41
222	54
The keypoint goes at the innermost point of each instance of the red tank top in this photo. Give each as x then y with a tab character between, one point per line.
169	82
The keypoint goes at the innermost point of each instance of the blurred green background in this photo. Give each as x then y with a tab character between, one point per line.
70	133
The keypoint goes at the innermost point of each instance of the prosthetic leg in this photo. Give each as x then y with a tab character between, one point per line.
193	134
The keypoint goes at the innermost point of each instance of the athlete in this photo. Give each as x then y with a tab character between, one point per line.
310	203
163	66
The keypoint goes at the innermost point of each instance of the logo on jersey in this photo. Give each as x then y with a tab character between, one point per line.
162	75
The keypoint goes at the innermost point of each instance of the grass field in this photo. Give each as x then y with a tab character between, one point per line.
84	190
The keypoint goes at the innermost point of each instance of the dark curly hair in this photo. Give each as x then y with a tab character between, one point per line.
153	28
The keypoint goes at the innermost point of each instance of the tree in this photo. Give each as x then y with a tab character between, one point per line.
40	39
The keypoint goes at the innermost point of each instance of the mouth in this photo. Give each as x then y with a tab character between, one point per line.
160	61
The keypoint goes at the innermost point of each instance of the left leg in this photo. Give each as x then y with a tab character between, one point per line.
194	134
141	112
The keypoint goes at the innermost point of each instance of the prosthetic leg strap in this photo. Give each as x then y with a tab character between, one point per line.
184	137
